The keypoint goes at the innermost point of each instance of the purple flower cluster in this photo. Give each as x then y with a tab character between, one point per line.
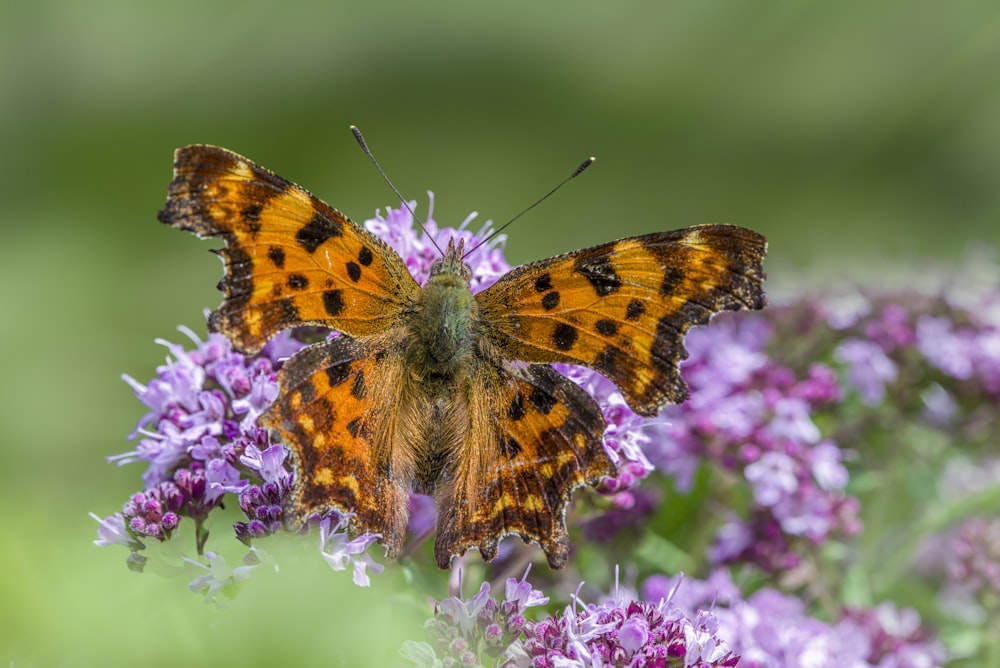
154	513
420	250
677	621
965	558
975	554
947	342
775	399
770	629
479	631
200	442
752	414
620	631
203	406
624	632
262	503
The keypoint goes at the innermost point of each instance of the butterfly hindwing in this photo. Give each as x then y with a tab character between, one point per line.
535	437
290	259
623	308
333	414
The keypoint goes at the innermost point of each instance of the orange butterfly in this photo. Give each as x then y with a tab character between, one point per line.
437	389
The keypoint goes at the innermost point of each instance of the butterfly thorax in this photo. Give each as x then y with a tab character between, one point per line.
445	322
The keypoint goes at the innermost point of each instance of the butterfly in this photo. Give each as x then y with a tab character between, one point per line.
434	388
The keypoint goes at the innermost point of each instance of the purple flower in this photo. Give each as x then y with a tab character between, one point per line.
340	551
269	464
419	252
950	350
521	595
891	327
629	513
113	532
869	368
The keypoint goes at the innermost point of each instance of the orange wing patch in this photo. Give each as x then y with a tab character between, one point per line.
535	437
290	259
623	308
332	414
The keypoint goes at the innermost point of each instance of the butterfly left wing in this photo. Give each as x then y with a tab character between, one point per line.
623	308
290	258
534	437
336	414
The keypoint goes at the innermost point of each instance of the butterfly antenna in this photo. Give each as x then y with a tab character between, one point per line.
579	170
364	147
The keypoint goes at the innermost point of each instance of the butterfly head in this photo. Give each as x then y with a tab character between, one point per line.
451	263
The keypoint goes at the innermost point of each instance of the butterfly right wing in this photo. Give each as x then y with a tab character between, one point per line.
534	437
623	308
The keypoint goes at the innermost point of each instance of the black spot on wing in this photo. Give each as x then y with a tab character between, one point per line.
297	282
354	271
365	256
509	446
550	300
596	267
316	231
251	213
564	336
672	280
543	283
277	256
606	327
338	373
516	410
542	400
333	302
635	310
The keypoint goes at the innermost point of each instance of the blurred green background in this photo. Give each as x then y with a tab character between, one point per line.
855	135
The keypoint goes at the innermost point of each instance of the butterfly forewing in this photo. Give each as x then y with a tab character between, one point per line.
623	308
290	258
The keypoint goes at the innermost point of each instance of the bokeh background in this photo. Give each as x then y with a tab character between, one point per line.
858	136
